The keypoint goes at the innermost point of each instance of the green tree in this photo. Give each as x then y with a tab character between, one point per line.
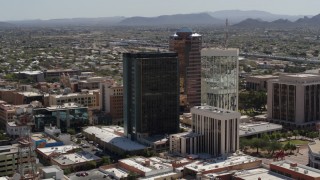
244	142
260	100
273	146
149	153
258	143
292	148
289	134
71	131
132	175
67	171
265	137
295	133
284	135
106	160
78	141
91	165
287	146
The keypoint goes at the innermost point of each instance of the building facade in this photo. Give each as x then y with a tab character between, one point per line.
220	78
56	73
259	83
111	98
314	154
63	116
86	98
294	99
8	160
219	127
188	46
151	94
184	143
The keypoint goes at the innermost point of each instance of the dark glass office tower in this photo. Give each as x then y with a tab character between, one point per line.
188	46
151	94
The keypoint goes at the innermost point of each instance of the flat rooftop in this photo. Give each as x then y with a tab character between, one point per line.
298	78
51	169
139	163
75	158
9	149
108	136
186	134
29	94
215	110
73	95
315	147
117	172
57	149
299	169
261	173
302	75
30	72
60	70
219	52
161	176
248	129
40	136
263	76
218	163
71	105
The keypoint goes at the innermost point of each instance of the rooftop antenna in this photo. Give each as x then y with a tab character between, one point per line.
226	34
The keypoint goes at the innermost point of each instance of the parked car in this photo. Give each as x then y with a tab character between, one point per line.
85	146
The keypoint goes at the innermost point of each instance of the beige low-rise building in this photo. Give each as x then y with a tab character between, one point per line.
259	83
87	98
314	154
111	98
77	160
8	160
293	100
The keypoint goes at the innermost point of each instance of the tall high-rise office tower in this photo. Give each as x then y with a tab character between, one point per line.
151	94
220	77
188	46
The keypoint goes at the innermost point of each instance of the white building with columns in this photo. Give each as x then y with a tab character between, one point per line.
219	127
215	131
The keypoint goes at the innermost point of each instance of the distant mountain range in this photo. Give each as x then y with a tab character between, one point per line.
100	21
235	17
6	25
183	19
280	23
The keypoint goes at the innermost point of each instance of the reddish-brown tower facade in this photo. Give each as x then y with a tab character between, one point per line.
188	46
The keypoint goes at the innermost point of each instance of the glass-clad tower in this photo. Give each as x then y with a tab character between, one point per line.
151	94
220	77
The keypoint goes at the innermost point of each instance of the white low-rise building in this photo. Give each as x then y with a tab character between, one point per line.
219	127
314	154
112	138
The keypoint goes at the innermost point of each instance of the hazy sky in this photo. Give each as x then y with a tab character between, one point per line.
48	9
